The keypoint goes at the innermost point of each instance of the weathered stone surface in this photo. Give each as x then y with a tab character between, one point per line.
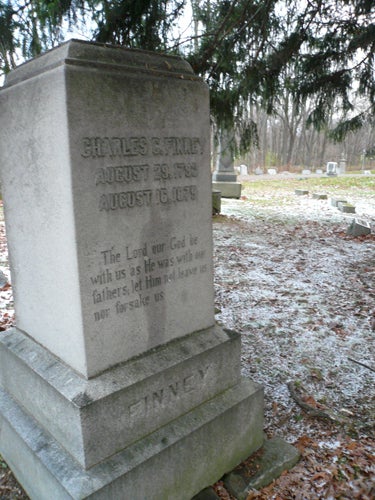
243	169
113	219
346	208
275	457
3	279
224	178
228	189
224	171
116	381
207	494
332	168
216	202
125	403
301	192
336	201
320	196
359	227
163	466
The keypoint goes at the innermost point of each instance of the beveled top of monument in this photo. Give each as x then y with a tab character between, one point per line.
98	55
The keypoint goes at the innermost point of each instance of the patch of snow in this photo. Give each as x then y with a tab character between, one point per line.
302	296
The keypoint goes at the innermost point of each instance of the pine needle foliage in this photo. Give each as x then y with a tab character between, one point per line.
249	52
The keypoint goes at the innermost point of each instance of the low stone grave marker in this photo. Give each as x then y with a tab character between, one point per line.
116	382
301	192
306	171
216	202
276	457
346	208
336	201
359	227
320	196
271	171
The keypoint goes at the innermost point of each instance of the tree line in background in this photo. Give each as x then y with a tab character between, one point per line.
293	79
289	144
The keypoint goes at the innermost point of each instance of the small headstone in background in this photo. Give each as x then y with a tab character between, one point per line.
271	171
243	169
319	196
331	168
359	227
336	201
216	202
346	208
306	172
342	166
3	279
301	192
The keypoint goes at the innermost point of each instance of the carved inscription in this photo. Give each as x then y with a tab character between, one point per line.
125	147
165	396
133	278
169	177
140	173
122	174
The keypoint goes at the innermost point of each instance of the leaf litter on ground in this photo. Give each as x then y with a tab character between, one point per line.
302	294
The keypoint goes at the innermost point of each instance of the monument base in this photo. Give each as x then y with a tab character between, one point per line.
164	425
176	461
228	189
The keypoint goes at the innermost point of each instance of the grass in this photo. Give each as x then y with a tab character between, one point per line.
280	190
329	185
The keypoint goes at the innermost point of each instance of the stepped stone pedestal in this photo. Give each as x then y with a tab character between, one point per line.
115	382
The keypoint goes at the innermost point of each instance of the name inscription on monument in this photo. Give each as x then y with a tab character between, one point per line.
159	171
166	396
165	169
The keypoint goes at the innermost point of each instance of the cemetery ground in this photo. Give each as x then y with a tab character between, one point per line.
302	294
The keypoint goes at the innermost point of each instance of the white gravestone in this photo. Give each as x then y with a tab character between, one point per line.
331	168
